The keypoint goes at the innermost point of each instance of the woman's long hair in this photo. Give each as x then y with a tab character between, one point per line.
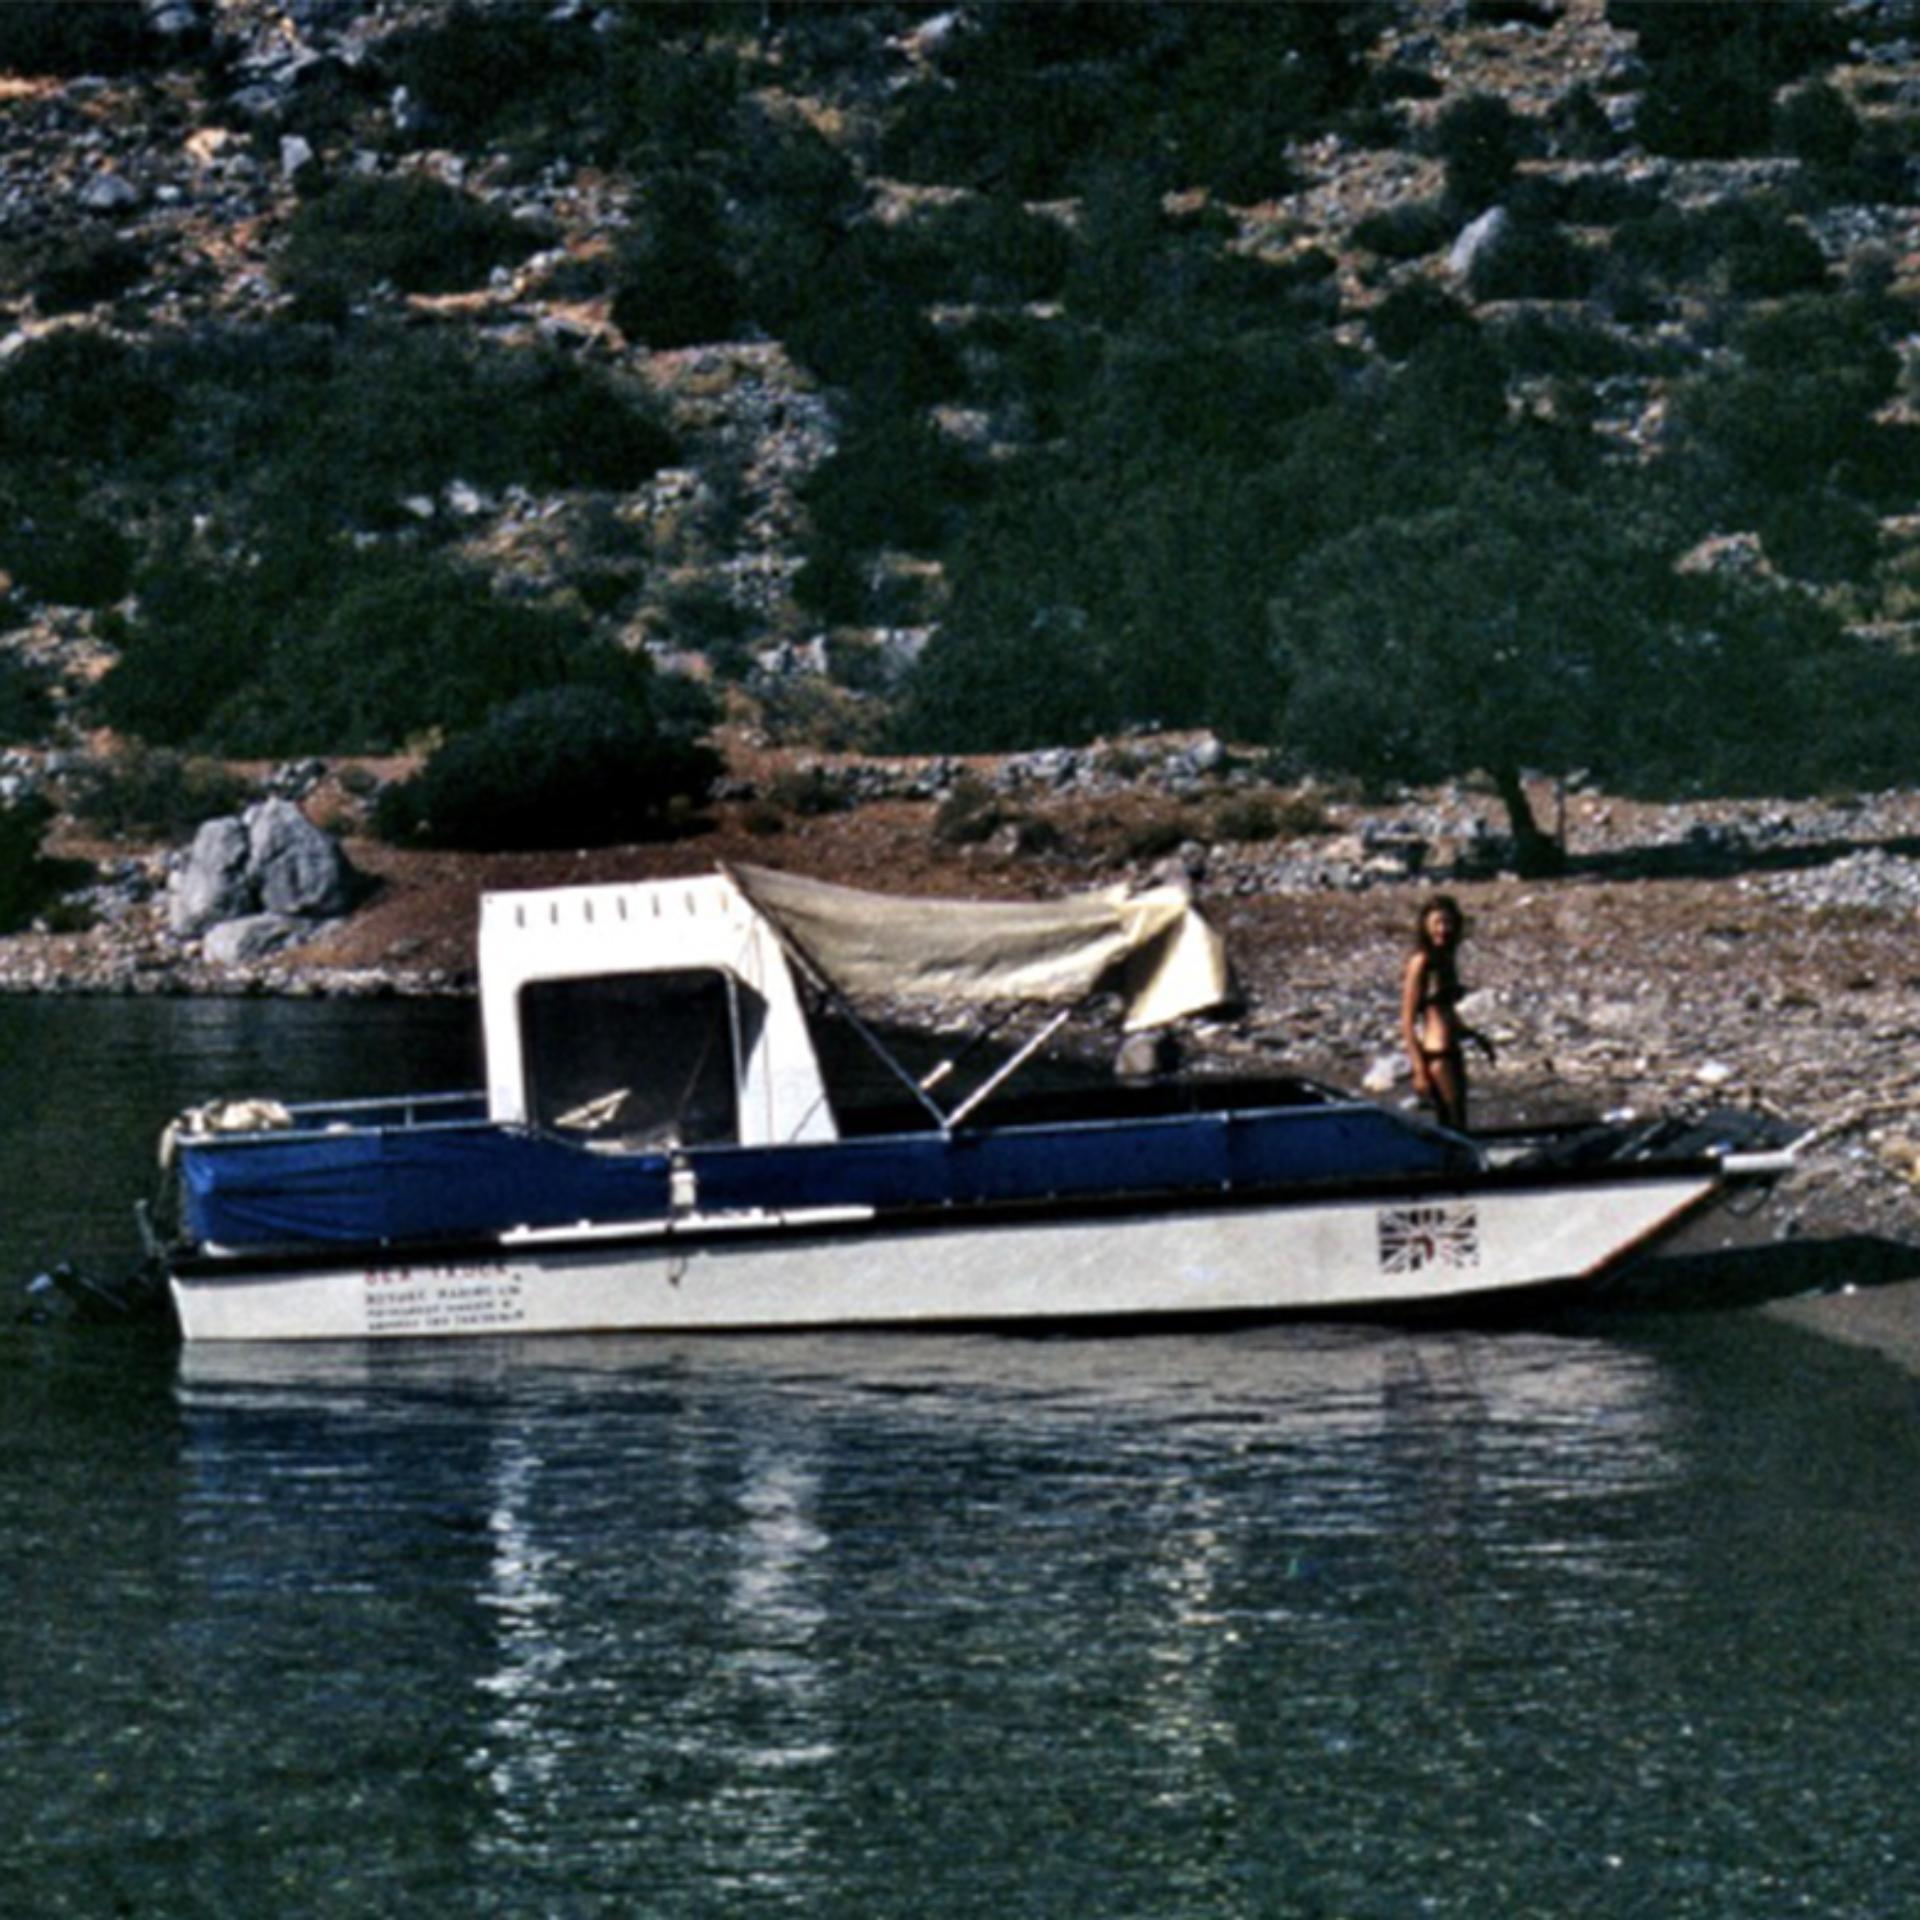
1438	903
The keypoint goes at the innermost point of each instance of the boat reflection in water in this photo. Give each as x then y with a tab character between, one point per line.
799	1616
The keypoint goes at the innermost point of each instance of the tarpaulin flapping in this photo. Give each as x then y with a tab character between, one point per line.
1153	947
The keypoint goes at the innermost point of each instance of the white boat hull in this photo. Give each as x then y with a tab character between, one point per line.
1347	1255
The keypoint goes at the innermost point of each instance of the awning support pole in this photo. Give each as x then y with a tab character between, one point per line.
1008	1068
845	1007
824	983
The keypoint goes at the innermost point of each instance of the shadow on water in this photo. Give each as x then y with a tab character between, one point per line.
1750	1276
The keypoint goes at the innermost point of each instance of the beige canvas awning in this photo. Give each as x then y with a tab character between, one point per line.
1153	947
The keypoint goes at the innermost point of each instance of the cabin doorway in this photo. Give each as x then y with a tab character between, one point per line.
638	1061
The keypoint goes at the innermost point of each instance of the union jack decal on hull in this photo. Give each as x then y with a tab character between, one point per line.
1414	1239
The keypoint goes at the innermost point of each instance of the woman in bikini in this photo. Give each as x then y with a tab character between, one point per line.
1430	1023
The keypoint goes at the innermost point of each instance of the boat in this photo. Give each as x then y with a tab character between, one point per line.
660	1147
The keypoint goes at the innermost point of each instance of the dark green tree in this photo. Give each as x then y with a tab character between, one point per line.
1716	65
1490	634
1794	408
417	232
26	708
58	37
28	879
1481	140
1524	626
326	649
558	767
677	287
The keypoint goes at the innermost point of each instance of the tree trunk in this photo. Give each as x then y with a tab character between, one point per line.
1536	855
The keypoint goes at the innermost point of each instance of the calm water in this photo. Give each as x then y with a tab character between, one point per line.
1292	1623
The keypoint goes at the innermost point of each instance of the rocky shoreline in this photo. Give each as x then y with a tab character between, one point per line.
1754	954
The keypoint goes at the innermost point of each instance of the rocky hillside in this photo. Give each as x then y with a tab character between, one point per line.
520	295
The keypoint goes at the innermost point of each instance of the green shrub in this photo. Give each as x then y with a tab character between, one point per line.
1039	366
1302	818
334	650
1136	269
834	584
1245	95
1245	819
1481	139
1820	536
970	813
1816	124
1230	397
26	704
1257	817
683	708
1848	338
614	85
865	665
1543	14
1395	80
417	232
1531	260
1154	839
1411	315
985	248
675	287
559	767
1767	255
1584	199
1015	127
807	792
1451	396
1786	37
671	97
1036	96
55	546
1717	109
858	331
1716	65
1776	431
894	481
1578	126
1406	231
68	916
308	429
808	710
1013	669
1035	836
1628	296
1749	247
1067	584
1883	465
507	73
84	269
1570	346
28	881
1667	243
153	793
81	396
782	169
703	619
60	37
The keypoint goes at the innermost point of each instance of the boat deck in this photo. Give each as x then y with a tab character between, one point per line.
436	1168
